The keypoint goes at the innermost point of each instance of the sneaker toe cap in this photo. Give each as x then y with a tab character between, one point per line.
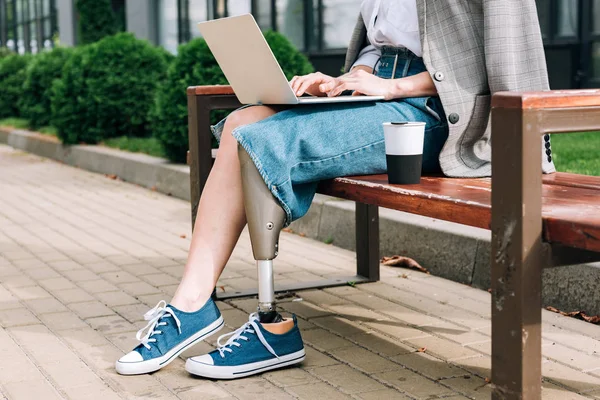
203	359
131	357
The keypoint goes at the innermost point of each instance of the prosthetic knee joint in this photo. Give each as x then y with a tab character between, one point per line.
265	220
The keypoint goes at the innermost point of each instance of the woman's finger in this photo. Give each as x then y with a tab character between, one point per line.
294	79
308	83
329	85
338	89
298	81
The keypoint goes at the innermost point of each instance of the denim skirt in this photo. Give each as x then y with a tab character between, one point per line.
296	148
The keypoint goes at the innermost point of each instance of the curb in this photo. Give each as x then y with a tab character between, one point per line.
448	250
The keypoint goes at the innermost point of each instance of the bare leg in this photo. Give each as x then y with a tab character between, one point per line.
220	218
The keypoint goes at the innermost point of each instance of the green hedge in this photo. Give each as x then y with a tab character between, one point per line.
96	20
12	75
195	65
5	52
40	74
107	89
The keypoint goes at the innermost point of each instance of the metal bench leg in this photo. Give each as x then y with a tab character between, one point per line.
367	241
516	255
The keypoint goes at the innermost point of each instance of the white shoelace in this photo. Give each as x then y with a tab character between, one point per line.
153	316
249	327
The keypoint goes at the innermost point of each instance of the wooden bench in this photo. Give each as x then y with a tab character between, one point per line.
536	220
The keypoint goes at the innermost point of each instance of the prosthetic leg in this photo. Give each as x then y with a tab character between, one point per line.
265	220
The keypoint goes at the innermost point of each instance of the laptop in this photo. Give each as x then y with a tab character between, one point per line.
250	66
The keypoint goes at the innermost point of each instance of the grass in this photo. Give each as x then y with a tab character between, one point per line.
578	153
48	130
18	123
22	123
149	146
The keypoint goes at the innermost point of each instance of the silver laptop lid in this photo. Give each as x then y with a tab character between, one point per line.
247	60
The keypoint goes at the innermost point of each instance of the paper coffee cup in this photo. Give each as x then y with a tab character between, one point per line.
404	151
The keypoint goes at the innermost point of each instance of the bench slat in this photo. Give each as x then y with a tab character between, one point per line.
571	215
572	180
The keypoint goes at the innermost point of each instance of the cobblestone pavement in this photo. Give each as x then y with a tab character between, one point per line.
82	257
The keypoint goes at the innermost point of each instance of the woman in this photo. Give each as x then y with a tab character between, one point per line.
433	61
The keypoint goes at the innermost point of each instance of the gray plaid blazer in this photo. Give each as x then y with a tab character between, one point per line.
473	49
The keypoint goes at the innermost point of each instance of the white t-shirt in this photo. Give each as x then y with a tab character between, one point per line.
389	23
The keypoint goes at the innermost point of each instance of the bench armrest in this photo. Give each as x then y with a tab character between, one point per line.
555	111
210	90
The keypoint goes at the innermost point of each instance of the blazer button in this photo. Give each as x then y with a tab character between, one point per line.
547	137
547	144
548	152
453	118
439	76
549	158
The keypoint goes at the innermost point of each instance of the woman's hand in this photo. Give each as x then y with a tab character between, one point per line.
310	84
362	83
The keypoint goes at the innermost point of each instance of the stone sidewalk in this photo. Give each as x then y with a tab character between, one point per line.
83	256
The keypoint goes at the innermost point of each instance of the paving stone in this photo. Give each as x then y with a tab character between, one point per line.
160	279
39	389
72	296
324	340
112	324
347	379
315	358
18	281
97	286
119	277
316	391
388	394
91	309
62	320
254	388
80	275
91	392
70	375
413	384
53	284
139	288
290	377
132	312
140	269
116	298
470	385
362	359
101	266
381	344
30	293
64	265
43	272
7	300
427	365
569	377
17	317
338	325
442	348
305	309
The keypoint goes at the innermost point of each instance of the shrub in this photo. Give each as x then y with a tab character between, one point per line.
107	89
5	52
195	65
96	20
41	72
12	75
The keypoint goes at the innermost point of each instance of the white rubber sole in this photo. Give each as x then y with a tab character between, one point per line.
145	367
240	371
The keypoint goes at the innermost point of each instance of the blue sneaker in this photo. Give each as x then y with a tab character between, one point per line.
250	350
169	332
